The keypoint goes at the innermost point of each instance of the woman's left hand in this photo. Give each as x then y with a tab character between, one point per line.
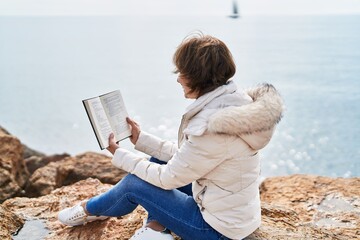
112	144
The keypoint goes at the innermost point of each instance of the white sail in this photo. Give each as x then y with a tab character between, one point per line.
235	11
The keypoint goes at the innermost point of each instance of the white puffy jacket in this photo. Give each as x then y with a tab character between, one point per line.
219	138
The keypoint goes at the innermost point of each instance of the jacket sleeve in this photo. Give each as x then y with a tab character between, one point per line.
155	147
192	161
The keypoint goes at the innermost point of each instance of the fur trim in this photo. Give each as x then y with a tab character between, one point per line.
261	115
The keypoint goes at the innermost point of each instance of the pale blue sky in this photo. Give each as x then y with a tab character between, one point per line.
176	7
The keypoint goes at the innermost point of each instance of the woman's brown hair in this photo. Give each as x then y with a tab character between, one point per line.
205	61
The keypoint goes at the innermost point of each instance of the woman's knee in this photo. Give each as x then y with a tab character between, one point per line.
131	183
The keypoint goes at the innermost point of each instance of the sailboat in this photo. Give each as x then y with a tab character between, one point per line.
235	12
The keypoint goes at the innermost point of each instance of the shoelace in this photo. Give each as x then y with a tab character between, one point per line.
146	228
78	215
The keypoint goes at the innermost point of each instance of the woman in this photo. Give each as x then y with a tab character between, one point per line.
206	186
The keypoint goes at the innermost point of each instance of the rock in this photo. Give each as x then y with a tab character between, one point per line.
27	152
10	223
46	208
293	207
71	170
35	161
43	181
90	165
309	207
13	172
4	131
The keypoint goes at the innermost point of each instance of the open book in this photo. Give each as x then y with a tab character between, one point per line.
107	114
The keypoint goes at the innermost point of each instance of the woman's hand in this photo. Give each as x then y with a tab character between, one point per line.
135	130
112	144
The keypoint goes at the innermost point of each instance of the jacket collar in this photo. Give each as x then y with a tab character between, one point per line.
201	102
254	122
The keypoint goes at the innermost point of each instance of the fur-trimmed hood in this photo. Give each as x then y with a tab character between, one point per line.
251	114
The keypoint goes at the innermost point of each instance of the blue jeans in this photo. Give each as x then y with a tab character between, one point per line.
175	209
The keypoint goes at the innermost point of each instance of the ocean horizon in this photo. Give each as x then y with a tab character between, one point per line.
48	65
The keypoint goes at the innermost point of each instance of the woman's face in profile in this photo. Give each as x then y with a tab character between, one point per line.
187	91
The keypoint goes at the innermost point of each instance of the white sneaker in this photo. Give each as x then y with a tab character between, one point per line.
76	215
146	233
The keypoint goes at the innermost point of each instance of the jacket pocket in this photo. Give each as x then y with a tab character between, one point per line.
200	198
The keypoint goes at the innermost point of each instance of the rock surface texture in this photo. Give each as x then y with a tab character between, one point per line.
309	207
293	207
46	208
35	162
13	171
10	223
70	170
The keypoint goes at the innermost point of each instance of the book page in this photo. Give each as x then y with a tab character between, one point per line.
116	112
98	117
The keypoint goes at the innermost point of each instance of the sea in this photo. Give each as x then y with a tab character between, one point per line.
49	64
